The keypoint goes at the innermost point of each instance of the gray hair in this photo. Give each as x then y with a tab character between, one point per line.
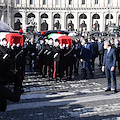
107	42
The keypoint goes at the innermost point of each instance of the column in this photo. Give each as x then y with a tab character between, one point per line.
24	21
50	24
116	18
63	21
89	22
26	3
76	25
3	1
38	21
3	16
102	22
10	16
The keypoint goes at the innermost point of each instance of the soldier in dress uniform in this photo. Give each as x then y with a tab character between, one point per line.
8	75
56	58
41	55
45	60
68	61
49	58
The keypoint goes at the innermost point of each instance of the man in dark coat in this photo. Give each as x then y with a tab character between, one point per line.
117	48
109	65
100	51
31	48
86	58
94	49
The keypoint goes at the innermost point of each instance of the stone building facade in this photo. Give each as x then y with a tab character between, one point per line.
61	14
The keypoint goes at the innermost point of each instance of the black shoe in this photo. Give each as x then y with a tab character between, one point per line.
107	90
115	91
3	104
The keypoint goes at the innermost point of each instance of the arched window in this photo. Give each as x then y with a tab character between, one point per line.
44	16
57	15
31	15
18	1
109	16
70	16
18	15
96	16
83	16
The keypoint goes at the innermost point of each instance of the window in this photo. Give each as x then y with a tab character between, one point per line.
70	2
83	2
96	1
31	1
44	2
18	1
57	2
108	1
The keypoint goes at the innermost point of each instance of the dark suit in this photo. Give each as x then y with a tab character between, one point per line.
86	55
94	49
110	61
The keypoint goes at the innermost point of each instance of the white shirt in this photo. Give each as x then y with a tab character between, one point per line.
108	50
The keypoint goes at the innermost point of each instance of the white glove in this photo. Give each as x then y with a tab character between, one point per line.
55	55
33	54
5	56
74	55
45	51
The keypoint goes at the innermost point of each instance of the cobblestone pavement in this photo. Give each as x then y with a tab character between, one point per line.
71	100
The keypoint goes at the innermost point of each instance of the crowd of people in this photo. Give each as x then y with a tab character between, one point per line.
55	61
59	62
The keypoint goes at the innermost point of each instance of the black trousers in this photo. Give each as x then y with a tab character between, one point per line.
8	94
101	59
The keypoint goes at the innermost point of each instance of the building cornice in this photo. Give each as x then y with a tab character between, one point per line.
47	8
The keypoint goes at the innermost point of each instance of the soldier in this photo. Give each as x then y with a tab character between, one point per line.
45	49
56	59
69	59
8	75
41	55
49	58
